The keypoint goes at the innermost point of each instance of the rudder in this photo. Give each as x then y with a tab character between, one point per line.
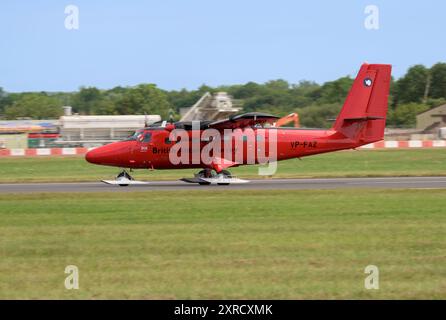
363	116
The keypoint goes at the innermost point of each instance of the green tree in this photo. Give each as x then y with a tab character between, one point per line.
144	98
248	90
86	100
319	116
405	114
183	98
438	81
4	100
278	85
34	105
412	86
303	94
335	91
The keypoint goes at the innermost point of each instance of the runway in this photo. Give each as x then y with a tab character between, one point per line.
270	184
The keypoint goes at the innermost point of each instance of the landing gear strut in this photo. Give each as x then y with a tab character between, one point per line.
206	173
124	178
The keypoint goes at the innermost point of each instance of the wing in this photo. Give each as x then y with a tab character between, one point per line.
243	120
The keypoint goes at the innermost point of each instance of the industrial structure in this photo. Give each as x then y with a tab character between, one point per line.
432	120
212	107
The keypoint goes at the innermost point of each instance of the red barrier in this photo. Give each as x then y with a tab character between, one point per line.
81	151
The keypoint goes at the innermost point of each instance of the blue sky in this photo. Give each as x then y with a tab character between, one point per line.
183	44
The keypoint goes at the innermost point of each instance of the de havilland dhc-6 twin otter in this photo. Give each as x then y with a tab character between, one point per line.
250	138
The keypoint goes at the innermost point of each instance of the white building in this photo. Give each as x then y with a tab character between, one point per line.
96	130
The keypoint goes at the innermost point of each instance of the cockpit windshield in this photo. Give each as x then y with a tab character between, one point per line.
136	136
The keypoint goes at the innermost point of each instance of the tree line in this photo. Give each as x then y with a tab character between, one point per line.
420	89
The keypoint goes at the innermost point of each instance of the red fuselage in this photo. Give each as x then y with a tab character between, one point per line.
154	152
361	121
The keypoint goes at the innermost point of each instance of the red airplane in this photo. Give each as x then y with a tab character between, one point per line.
361	121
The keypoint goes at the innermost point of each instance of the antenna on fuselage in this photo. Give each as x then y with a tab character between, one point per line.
146	120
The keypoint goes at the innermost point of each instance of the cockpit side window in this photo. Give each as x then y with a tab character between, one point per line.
147	137
140	136
135	136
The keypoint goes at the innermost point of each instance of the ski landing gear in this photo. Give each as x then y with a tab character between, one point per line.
209	176
123	179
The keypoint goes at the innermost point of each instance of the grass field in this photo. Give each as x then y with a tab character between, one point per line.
225	244
421	162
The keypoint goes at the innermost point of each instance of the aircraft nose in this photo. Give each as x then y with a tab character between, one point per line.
113	154
94	156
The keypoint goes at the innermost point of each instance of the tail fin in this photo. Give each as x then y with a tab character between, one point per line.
363	116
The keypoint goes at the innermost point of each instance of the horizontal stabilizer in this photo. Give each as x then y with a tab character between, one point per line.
364	118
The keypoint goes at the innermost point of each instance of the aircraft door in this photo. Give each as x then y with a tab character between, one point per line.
142	148
262	145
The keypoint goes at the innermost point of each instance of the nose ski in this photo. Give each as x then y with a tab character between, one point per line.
124	179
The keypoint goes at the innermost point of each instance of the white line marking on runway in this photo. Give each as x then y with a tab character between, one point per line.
395	182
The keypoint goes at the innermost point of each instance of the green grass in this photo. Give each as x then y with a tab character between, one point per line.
225	244
421	162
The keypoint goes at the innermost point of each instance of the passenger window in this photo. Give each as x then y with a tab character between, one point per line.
147	137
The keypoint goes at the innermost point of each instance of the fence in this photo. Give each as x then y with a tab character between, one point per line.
81	151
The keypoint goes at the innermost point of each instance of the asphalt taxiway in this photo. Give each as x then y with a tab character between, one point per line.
265	184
